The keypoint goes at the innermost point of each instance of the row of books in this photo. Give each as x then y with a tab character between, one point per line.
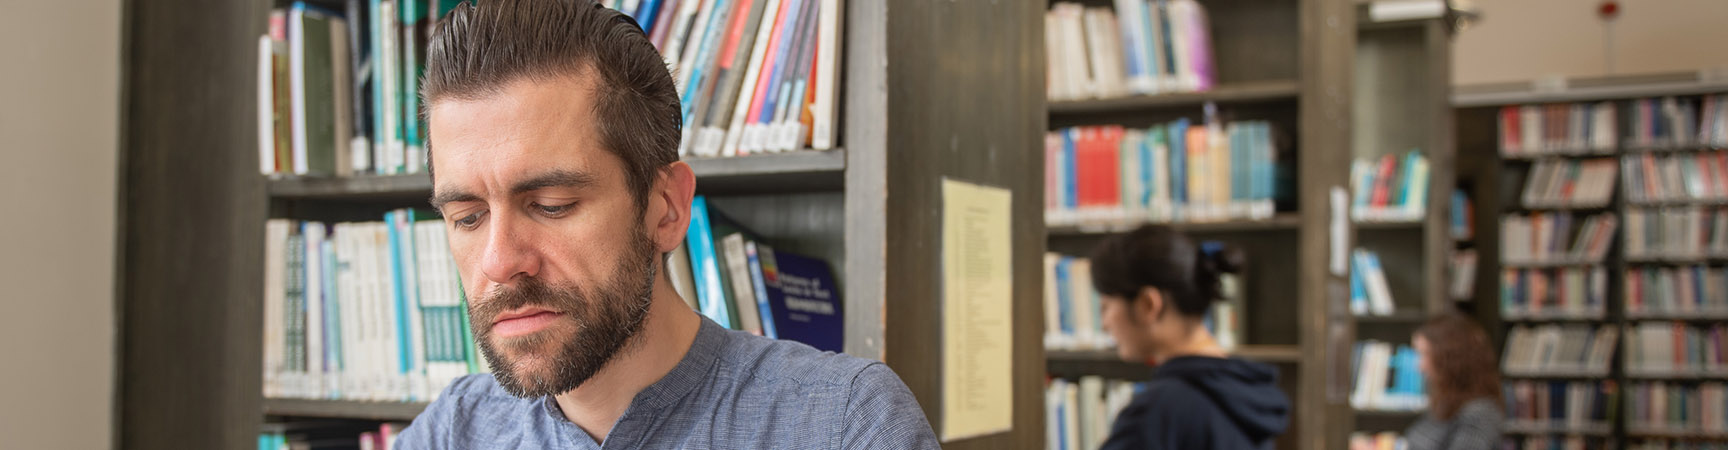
1669	348
1565	405
730	274
1395	187
363	310
1678	407
1555	442
1569	292
1179	171
1385	440
1463	275
1667	122
1078	414
1073	310
1463	220
754	75
1713	127
1387	378
1664	444
1559	349
1677	177
1586	183
338	91
1144	47
383	439
1369	293
1551	238
1676	232
1685	291
1560	128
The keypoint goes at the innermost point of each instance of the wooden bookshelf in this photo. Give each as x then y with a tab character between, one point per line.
1409	318
340	409
1280	222
1498	189
1224	95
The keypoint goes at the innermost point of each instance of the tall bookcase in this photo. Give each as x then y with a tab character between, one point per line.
1292	63
1497	182
930	89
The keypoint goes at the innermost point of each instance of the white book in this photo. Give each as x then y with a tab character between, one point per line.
1091	411
826	107
1080	297
1057	88
275	293
391	84
1079	61
1071	414
1379	293
314	232
417	385
1052	299
297	87
1128	13
743	291
266	105
1097	54
673	50
683	280
350	304
1053	396
692	43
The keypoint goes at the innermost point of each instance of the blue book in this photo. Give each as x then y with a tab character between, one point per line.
780	65
710	294
1238	141
804	297
1358	290
1065	305
705	48
399	290
1154	67
645	14
1070	189
1266	174
760	272
332	320
1130	41
1178	135
1146	175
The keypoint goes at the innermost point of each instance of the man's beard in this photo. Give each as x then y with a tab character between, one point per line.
594	326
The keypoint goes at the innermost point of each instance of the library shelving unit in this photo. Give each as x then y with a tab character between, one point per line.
924	99
1499	180
1291	64
1402	103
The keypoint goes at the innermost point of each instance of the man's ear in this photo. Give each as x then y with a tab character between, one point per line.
1149	305
668	215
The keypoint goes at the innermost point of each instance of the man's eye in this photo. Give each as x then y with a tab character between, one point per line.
553	210
468	222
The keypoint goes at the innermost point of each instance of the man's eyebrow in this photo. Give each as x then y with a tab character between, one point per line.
555	178
442	198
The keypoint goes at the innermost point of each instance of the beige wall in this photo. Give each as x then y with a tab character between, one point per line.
59	118
1523	40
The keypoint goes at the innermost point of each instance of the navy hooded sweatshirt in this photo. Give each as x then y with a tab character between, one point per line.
1201	403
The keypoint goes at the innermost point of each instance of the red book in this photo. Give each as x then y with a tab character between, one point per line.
1383	181
1086	166
1511	142
1109	177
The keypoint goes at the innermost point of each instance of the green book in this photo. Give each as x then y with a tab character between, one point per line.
314	85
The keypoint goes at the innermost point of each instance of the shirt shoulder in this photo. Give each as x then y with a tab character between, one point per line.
472	412
782	361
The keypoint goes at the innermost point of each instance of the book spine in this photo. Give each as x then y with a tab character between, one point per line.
711	295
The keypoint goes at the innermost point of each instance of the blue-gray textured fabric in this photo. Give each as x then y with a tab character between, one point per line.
733	390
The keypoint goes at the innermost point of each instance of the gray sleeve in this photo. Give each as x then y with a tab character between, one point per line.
1477	426
881	413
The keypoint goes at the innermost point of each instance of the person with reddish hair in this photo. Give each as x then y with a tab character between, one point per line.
1464	405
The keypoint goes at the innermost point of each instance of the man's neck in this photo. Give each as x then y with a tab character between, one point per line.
666	336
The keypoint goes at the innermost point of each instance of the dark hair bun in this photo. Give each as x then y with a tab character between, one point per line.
1218	258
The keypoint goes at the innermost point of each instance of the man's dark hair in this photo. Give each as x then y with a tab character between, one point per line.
476	51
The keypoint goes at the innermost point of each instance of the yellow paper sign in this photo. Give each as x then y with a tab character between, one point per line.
977	310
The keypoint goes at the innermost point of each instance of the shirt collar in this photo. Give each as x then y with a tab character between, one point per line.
690	372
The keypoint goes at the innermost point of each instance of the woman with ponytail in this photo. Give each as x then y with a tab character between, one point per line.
1157	286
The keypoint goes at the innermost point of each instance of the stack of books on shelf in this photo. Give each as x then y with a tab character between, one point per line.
1143	47
1394	188
1558	129
363	310
1073	310
1369	293
1463	274
1669	408
1676	178
1180	171
1385	440
1582	407
1680	233
1570	183
383	439
1550	238
1663	123
1557	293
1663	444
338	91
1677	292
1387	378
1463	216
730	274
1564	350
1079	415
1662	349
